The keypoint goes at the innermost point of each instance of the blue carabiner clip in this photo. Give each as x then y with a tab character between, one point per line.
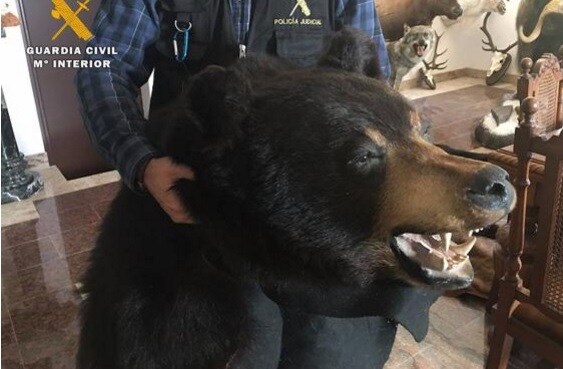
184	33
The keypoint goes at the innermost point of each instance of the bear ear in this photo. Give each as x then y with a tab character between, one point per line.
353	51
221	99
206	119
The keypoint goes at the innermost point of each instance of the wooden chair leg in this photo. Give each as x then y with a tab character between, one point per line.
498	265
500	347
493	296
501	343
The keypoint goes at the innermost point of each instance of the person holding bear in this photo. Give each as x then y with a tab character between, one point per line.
179	38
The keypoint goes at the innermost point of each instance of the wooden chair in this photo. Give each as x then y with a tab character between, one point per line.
532	313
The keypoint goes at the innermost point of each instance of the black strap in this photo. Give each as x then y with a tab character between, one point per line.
185	6
183	18
184	9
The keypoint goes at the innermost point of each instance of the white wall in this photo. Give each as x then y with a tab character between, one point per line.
16	84
463	40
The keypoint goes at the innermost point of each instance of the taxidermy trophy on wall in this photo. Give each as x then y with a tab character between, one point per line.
473	9
498	128
394	14
409	51
500	60
429	67
540	28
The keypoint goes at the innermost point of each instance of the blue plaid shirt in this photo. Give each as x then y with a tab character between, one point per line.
112	116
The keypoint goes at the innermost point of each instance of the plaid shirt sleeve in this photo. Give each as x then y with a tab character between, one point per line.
362	14
112	116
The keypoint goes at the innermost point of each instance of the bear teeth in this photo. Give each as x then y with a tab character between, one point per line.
438	252
442	263
446	244
446	240
465	247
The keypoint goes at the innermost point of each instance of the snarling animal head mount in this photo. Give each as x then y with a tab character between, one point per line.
420	39
332	165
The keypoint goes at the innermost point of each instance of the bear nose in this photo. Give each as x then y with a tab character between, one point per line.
490	189
457	11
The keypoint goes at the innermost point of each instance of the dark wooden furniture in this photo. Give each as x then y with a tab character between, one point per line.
532	312
65	138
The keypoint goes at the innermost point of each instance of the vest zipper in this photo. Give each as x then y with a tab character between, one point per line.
242	7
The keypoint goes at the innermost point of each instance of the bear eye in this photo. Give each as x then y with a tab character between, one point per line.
364	162
365	158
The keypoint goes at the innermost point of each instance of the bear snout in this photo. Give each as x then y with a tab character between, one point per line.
491	190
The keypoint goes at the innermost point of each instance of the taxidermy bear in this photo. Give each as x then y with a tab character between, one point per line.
324	221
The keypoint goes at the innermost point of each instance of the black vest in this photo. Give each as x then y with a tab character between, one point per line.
297	30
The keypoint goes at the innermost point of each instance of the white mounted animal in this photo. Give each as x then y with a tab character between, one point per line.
474	8
495	135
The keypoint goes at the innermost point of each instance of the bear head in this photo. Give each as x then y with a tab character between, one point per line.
324	170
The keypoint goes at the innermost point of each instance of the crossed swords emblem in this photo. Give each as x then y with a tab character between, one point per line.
63	11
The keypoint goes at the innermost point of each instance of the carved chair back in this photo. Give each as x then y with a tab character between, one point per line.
533	314
540	90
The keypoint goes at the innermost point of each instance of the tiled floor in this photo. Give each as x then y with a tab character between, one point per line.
455	114
46	243
55	184
42	260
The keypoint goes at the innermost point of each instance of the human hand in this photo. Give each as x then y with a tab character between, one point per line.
159	177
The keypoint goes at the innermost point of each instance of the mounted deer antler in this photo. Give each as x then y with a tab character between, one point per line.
433	65
426	72
500	60
490	43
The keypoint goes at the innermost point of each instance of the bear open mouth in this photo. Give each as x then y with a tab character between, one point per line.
440	259
419	49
